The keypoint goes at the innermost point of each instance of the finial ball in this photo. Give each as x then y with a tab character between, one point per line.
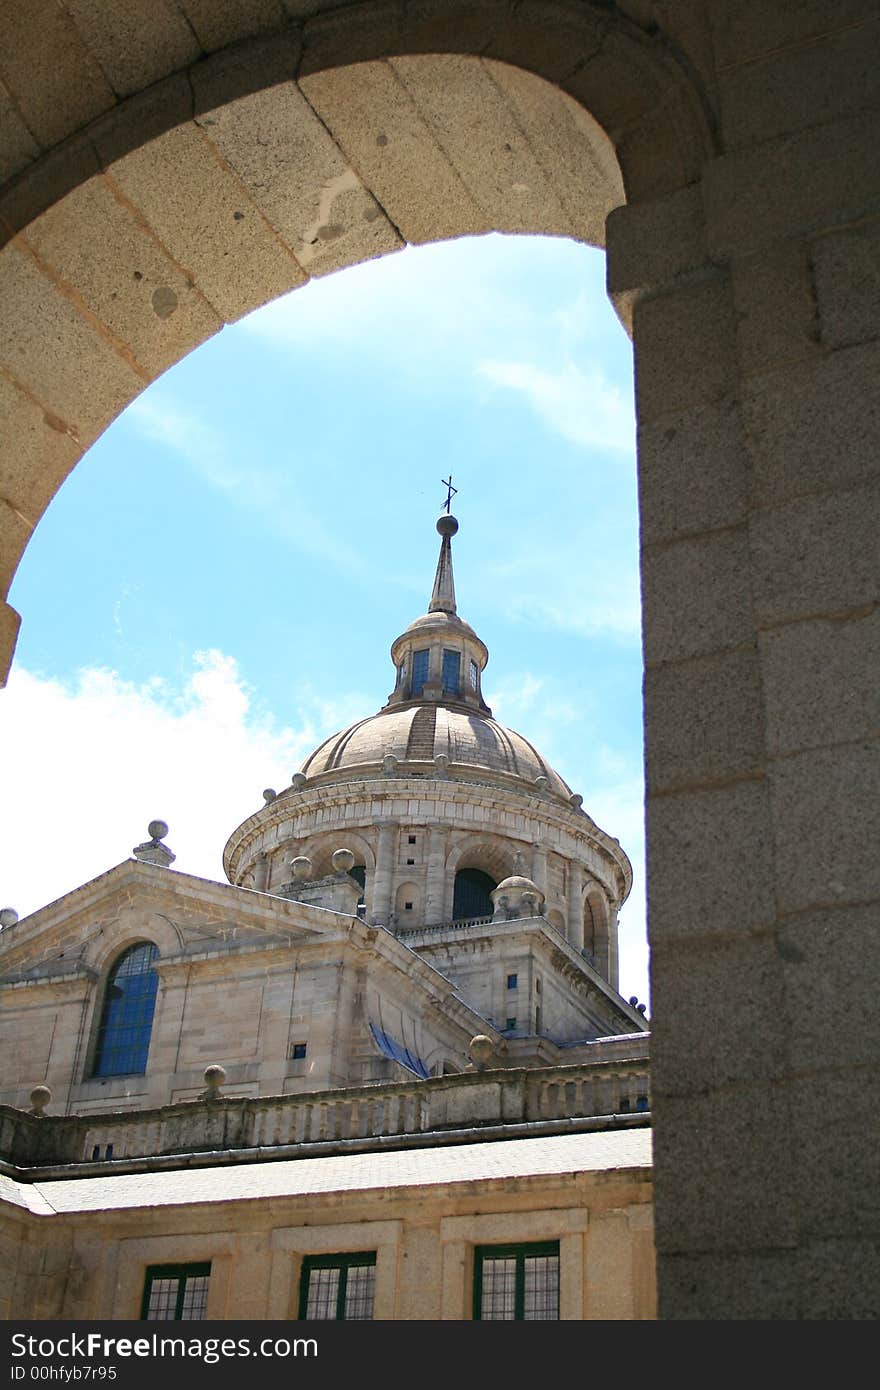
157	829
8	917
447	525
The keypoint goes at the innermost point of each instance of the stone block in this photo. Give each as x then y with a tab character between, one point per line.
135	42
712	1152
684	348
457	96
710	862
245	69
217	23
727	1023
846	267
706	718
692	472
794	186
827	958
17	145
747	29
816	556
775	308
9	625
55	81
697	596
298	178
207	221
727	1287
826	826
16	531
383	135
102	250
653	244
820	681
44	183
47	345
814	425
356	34
837	1279
805	85
834	1173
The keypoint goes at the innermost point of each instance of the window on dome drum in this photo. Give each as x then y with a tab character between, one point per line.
419	671
512	981
127	1016
475	674
173	1293
338	1287
516	1282
451	672
298	1051
470	896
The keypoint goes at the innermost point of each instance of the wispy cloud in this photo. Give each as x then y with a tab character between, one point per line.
578	403
197	754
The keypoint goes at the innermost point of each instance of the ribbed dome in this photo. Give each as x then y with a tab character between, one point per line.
419	733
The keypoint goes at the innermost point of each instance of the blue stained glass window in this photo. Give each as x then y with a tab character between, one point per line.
451	671
419	670
127	1016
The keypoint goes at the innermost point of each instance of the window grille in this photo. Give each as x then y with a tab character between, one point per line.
516	1282
338	1287
451	672
173	1293
419	671
127	1016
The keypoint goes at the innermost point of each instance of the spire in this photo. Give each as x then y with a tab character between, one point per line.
443	597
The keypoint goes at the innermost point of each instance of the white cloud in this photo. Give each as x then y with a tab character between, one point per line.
197	756
578	403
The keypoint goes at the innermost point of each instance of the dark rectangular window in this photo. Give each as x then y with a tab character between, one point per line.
338	1287
516	1282
511	981
419	671
475	671
511	1023
410	839
451	672
173	1293
298	1051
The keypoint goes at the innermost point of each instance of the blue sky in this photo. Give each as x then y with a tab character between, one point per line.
217	585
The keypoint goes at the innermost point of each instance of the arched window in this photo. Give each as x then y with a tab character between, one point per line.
127	1017
471	895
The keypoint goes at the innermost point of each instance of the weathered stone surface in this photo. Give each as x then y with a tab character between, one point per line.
17	145
729	1025
684	348
36	452
816	556
219	22
652	244
827	957
820	681
55	81
114	37
208	221
835	1174
9	625
697	596
724	1287
104	253
846	267
814	425
710	861
693	472
826	825
748	29
776	312
707	717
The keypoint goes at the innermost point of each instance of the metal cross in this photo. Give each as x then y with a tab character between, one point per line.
450	491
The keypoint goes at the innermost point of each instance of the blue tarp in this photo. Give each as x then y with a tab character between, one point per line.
398	1053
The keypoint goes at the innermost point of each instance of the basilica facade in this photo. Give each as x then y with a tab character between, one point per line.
394	1035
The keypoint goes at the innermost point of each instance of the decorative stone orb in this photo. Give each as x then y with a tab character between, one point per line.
298	781
8	916
389	764
576	800
542	782
481	1049
40	1097
301	866
269	795
158	829
343	860
447	525
215	1075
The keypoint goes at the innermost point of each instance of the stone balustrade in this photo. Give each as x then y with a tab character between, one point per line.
438	1110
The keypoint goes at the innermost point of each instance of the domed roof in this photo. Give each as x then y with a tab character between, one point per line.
423	732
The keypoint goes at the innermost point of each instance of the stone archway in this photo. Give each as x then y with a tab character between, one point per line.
744	261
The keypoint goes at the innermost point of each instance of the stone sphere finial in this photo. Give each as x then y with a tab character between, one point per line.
269	795
40	1097
157	829
447	525
215	1075
576	800
301	866
298	781
342	860
8	916
481	1049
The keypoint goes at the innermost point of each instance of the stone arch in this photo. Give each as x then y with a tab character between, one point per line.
596	927
408	916
147	220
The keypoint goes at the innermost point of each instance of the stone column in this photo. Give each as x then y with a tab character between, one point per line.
261	872
576	906
384	875
435	882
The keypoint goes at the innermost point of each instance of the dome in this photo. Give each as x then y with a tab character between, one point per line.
424	732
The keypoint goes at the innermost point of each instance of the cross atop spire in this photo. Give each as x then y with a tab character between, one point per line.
450	491
443	597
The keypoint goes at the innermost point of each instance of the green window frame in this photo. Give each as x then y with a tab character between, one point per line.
346	1298
175	1293
517	1283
